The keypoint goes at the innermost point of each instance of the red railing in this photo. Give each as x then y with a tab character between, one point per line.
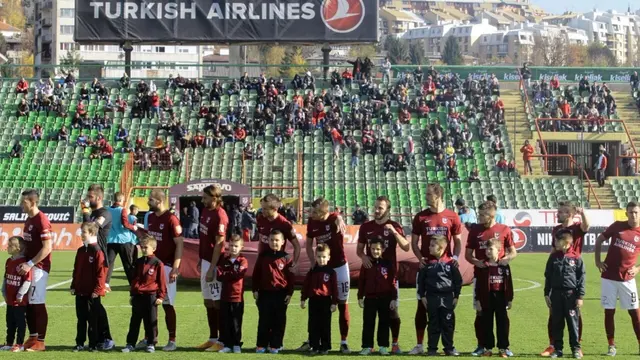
573	162
619	159
126	177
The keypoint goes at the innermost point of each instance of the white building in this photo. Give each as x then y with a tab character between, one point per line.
54	29
435	36
620	32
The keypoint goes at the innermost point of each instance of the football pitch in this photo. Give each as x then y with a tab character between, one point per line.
528	319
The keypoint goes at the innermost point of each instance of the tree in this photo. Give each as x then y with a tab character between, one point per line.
550	50
274	56
70	61
416	53
397	50
3	45
576	55
13	13
293	57
451	54
27	70
599	55
362	51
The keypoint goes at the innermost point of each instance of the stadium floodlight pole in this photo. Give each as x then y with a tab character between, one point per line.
127	48
326	50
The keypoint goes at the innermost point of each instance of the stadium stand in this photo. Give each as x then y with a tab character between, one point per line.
470	107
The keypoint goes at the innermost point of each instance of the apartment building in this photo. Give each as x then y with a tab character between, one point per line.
54	29
398	21
517	40
434	37
620	32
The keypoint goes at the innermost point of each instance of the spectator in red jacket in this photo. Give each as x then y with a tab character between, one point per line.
154	104
554	83
527	152
240	133
502	164
347	77
198	140
22	87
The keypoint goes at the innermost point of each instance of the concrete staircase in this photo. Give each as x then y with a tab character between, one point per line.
520	131
628	112
605	195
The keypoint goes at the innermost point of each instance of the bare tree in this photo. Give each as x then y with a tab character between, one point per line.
550	50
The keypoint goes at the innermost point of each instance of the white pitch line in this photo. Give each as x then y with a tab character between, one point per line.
534	285
57	285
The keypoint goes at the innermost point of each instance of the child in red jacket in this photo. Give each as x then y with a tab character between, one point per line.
88	286
231	270
148	290
321	288
494	295
272	283
14	290
377	295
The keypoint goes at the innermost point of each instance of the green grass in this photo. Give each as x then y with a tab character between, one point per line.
528	318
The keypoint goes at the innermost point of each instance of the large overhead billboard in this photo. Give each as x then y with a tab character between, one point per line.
226	21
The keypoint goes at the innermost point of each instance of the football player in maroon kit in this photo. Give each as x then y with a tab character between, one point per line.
619	270
213	228
37	236
480	234
165	228
566	217
269	219
435	220
392	235
328	228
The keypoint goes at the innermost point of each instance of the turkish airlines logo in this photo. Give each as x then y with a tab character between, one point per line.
342	16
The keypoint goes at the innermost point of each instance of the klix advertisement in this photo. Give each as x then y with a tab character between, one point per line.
226	21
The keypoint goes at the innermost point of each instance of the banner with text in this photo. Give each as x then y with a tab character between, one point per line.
566	75
56	214
548	217
228	21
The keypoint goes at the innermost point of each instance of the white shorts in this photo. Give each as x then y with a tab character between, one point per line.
210	290
172	288
626	291
342	273
38	290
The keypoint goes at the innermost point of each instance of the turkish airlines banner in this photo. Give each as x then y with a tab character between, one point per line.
549	217
229	21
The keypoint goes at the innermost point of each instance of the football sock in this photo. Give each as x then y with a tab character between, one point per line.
635	321
420	322
395	329
170	320
580	328
42	320
610	325
343	320
477	325
31	320
550	330
212	319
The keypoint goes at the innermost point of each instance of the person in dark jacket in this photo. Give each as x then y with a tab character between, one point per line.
248	224
439	285
272	283
359	216
377	295
88	286
494	295
148	290
194	216
230	273
564	290
525	72
321	289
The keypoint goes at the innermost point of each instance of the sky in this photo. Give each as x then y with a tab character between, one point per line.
558	7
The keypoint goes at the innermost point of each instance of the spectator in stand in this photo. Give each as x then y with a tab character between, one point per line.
122	133
209	140
497	146
62	135
240	133
23	108
511	167
198	140
356	151
154	104
583	85
82	140
601	167
36	132
107	151
22	87
525	72
16	150
527	151
85	93
338	141
474	175
259	154
158	143
554	83
359	216
502	164
467	214
386	70
635	82
347	78
409	150
248	152
124	81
